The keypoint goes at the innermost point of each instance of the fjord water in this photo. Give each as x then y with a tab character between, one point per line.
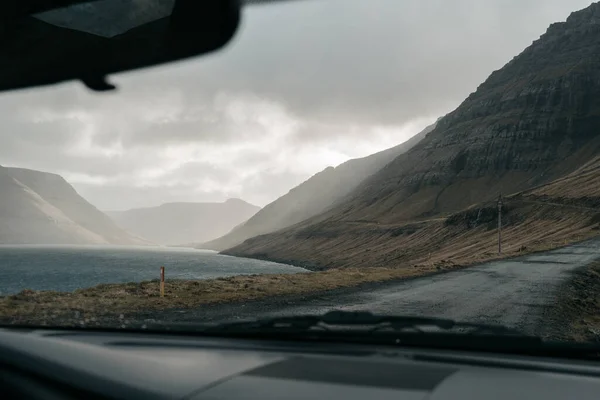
66	268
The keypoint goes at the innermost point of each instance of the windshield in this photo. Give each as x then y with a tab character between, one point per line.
434	159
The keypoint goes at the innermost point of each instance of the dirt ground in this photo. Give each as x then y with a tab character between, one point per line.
578	305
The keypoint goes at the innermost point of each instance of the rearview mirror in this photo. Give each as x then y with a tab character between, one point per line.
90	40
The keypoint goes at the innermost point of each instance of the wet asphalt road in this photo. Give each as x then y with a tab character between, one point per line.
518	293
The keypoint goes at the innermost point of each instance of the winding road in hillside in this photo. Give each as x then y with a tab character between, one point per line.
518	293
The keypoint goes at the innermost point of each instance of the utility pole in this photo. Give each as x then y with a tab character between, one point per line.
500	224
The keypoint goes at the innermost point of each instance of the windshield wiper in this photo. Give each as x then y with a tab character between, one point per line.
361	321
367	328
405	331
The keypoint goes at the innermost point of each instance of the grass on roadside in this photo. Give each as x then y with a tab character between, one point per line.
85	305
88	306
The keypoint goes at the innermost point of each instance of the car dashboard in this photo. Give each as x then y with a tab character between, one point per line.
63	364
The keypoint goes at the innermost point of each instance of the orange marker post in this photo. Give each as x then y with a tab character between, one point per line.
162	281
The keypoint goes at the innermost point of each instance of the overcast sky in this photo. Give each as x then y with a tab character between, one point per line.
303	86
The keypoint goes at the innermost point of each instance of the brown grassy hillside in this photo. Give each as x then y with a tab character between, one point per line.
547	216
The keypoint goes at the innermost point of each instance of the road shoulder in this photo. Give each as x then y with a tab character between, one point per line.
577	307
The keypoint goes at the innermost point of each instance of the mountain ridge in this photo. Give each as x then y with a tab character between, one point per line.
183	203
43	208
313	196
182	223
527	124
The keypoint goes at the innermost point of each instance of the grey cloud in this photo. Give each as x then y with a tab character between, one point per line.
111	197
259	190
192	172
205	125
376	61
303	85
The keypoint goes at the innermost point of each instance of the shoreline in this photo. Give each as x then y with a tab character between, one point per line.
124	304
69	268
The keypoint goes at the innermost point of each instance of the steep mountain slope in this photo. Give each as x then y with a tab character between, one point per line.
181	223
314	196
529	123
42	208
562	211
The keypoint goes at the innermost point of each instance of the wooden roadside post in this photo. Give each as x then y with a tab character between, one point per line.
162	281
500	224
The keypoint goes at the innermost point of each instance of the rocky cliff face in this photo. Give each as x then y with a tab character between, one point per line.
313	196
532	121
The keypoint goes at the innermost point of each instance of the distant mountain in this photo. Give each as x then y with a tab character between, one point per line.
314	196
42	208
532	122
182	223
